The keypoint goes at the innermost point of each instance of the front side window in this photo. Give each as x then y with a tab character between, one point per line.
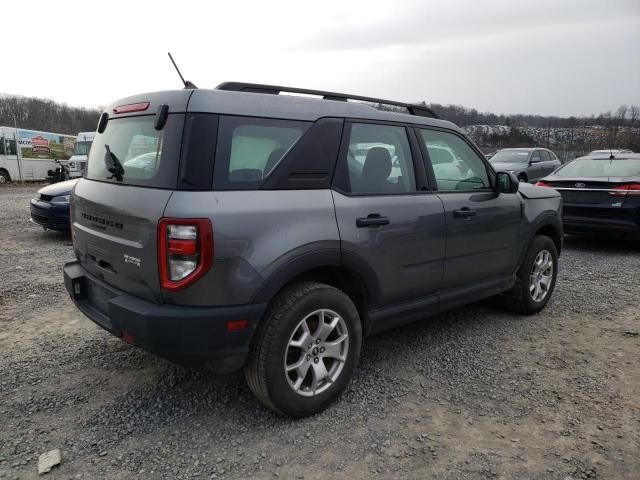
535	156
249	149
456	166
379	160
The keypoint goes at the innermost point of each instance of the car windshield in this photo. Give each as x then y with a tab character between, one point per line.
591	167
510	156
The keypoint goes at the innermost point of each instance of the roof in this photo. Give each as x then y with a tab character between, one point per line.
617	156
528	149
287	107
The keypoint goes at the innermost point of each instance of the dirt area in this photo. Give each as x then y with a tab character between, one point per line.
476	393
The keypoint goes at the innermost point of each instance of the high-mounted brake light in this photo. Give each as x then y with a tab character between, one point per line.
185	251
543	184
132	107
629	190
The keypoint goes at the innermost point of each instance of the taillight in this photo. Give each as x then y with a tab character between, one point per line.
543	184
630	190
185	251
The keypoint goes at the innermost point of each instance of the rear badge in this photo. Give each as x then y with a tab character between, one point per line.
129	259
580	185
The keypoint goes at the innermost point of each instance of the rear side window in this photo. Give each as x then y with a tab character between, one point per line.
379	160
148	156
249	149
545	156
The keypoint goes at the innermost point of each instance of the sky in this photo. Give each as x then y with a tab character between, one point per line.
548	57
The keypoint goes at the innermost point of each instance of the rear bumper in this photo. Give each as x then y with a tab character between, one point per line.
600	224
47	215
188	335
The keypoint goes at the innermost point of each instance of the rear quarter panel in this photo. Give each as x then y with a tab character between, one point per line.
255	233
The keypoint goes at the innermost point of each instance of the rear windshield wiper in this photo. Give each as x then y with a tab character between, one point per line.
113	164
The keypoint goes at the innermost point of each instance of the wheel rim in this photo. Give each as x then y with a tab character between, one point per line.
2	178
316	352
541	276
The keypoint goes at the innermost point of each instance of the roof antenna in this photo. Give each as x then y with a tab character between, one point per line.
187	83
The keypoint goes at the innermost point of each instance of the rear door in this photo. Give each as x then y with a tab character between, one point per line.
537	168
115	217
387	218
481	226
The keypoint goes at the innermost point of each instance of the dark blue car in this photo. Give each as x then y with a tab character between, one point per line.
50	209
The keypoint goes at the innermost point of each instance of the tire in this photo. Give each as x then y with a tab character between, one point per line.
522	178
521	298
4	177
298	304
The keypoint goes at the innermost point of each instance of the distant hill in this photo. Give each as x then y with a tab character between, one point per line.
46	115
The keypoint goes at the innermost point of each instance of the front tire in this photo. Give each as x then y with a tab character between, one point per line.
4	177
536	278
305	349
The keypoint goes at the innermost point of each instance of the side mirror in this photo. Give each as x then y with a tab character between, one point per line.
507	182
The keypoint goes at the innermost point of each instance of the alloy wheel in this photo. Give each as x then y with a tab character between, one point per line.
316	352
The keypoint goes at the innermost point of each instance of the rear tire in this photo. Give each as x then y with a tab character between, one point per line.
300	380
536	278
522	178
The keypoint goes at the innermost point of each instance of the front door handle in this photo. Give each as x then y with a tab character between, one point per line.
464	212
372	220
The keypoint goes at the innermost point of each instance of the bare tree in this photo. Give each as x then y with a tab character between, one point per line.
634	113
614	122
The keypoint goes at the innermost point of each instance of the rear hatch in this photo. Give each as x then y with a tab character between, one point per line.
115	216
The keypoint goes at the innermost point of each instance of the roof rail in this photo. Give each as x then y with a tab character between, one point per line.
413	109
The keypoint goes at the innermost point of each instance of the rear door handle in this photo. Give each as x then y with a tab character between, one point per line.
372	220
464	212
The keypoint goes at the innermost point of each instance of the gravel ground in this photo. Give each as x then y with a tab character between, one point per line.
474	393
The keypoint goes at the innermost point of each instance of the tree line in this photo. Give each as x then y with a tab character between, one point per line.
43	114
47	115
625	115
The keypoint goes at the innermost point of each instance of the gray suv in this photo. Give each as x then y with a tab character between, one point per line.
527	164
241	228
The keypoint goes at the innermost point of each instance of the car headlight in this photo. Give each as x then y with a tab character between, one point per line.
61	200
72	164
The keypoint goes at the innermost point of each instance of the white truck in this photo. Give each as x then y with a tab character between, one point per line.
77	164
31	155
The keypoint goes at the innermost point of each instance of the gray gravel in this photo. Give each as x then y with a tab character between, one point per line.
473	393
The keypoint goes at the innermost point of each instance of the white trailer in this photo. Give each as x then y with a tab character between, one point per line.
30	154
77	164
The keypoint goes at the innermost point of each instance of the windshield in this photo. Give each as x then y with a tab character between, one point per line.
510	156
139	149
82	147
601	168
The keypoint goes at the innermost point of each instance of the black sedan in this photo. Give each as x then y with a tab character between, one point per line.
601	194
50	209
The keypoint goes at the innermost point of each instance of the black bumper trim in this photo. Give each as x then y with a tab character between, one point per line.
190	335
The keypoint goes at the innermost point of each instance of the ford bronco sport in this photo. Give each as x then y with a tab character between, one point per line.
242	228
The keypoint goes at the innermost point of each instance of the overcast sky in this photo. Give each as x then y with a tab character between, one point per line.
560	57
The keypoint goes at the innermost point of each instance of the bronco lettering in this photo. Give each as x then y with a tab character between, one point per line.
102	221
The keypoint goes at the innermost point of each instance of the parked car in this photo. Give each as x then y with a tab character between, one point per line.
528	164
253	231
50	209
600	194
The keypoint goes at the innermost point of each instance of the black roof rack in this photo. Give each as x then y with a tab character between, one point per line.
413	109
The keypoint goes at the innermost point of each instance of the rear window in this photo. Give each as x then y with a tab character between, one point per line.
249	149
148	156
600	168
